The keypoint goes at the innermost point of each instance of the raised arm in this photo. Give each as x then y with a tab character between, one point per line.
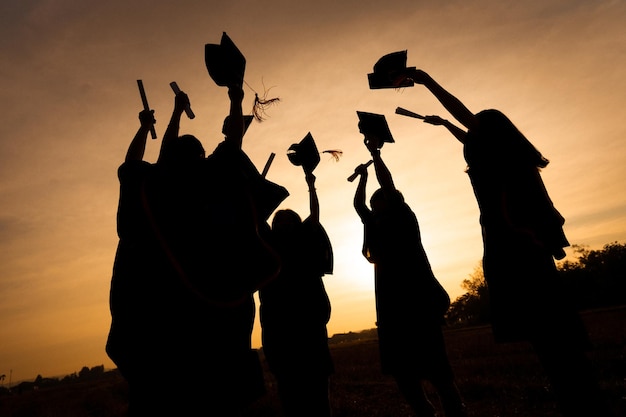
181	101
452	128
137	146
359	195
383	174
450	102
314	203
235	126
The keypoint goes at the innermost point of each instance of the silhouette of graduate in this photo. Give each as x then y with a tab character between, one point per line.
189	260
522	235
229	260
144	285
295	307
410	302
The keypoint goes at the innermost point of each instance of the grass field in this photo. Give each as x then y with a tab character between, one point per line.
495	380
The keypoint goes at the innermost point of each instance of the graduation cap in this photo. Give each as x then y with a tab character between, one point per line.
247	120
305	153
375	124
225	63
389	71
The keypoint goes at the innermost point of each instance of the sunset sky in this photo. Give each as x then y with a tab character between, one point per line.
70	103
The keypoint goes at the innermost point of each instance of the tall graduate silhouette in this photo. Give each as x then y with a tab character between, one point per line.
295	307
522	235
136	269
410	302
189	259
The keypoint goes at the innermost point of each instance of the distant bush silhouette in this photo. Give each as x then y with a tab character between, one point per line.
351	337
85	374
596	279
93	373
472	308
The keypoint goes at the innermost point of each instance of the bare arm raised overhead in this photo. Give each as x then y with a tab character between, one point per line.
181	101
455	130
450	102
359	195
314	203
385	180
235	126
137	146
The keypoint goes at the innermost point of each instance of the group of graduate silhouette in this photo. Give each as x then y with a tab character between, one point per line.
195	244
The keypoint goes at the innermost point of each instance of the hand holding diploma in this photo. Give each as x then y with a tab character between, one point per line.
359	170
188	110
144	100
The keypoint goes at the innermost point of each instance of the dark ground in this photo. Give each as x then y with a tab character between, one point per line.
495	380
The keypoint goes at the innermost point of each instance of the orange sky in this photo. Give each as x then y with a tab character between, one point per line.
70	103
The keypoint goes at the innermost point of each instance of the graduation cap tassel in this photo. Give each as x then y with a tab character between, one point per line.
261	104
335	153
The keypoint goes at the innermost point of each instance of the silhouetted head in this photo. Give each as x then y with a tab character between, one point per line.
497	142
187	148
378	200
285	221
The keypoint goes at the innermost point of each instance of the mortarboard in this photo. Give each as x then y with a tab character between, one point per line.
247	120
388	72
227	66
225	63
375	124
304	153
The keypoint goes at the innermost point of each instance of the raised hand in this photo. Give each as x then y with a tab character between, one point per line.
181	102
146	118
434	120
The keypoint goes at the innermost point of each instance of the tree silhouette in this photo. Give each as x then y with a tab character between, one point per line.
471	308
597	278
